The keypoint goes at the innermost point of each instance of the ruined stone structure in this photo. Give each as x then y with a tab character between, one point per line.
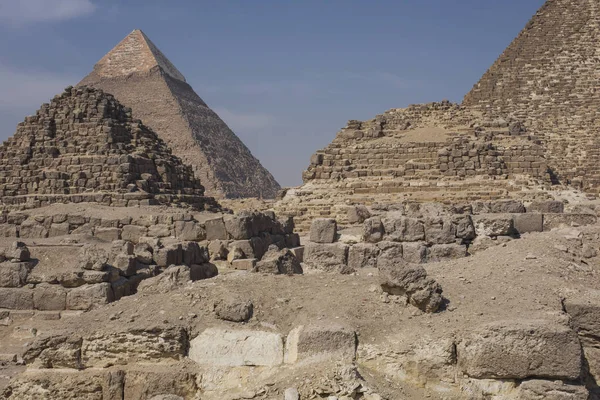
549	78
530	122
142	78
84	146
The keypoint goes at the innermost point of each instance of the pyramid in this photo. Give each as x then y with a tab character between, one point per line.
549	77
142	78
84	146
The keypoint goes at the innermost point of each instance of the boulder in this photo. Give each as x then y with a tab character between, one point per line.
235	309
326	256
520	349
323	230
398	277
321	342
277	261
233	348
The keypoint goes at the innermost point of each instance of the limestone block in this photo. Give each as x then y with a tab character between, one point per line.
362	255
529	222
59	386
326	256
292	240
440	231
323	230
550	206
232	348
245	246
218	250
322	342
189	230
32	229
357	214
14	274
159	230
464	227
238	227
373	230
403	229
152	384
246	264
493	224
49	297
16	298
87	296
550	390
8	230
168	255
552	221
234	309
126	264
415	253
298	252
441	252
215	229
519	349
277	261
498	207
108	234
61	229
55	351
129	346
132	233
193	253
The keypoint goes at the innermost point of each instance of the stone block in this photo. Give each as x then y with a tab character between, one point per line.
14	274
298	252
326	256
292	240
551	206
8	230
215	229
159	230
132	233
493	224
61	229
245	246
357	214
31	229
168	255
550	390
322	342
552	221
373	230
529	222
49	297
122	287
440	231
189	230
323	230
362	255
126	264
239	227
16	299
441	252
108	234
415	253
246	264
234	348
403	229
499	207
193	253
88	296
520	349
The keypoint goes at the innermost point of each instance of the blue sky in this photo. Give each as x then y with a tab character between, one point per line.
285	75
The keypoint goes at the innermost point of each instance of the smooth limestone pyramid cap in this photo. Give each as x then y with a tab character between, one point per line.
135	54
142	78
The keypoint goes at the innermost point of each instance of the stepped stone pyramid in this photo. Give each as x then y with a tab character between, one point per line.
549	77
142	78
84	146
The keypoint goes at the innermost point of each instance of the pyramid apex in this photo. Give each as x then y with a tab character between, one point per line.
135	54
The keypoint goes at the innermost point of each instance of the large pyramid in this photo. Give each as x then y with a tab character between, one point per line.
142	78
84	146
549	77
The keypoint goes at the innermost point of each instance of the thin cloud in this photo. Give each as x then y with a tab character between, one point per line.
245	122
20	12
26	90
